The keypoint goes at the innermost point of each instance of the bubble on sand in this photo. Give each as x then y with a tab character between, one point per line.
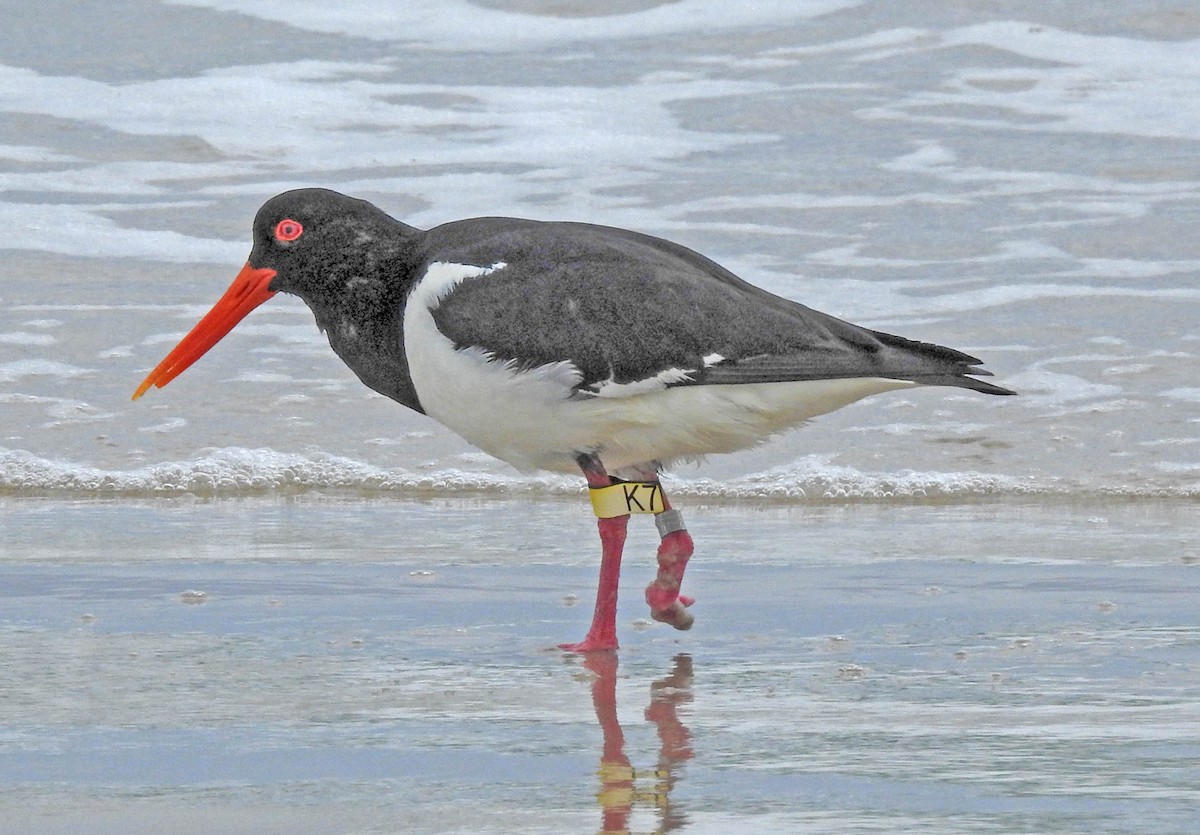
26	338
17	369
169	425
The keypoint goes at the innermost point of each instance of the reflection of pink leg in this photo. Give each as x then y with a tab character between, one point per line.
666	603
666	695
616	793
603	633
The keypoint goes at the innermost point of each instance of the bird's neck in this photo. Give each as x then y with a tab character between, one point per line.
365	325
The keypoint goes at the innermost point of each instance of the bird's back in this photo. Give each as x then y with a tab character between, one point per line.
624	307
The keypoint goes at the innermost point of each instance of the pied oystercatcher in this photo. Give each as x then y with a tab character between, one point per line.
565	347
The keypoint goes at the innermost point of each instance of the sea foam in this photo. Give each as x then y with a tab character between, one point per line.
234	471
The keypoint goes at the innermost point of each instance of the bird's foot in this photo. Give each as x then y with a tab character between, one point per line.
676	614
591	643
667	605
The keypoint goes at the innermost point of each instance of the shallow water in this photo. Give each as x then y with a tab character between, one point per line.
932	610
1016	183
1008	667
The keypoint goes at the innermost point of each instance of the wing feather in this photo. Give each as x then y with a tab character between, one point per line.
626	308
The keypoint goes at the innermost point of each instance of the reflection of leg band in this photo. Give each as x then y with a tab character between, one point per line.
669	521
627	497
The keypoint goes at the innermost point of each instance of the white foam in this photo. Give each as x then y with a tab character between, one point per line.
31	153
317	101
1179	467
26	338
654	139
76	230
303	112
233	472
814	477
62	410
15	370
263	377
932	158
169	425
237	471
453	24
1094	84
1044	387
1191	395
905	298
117	352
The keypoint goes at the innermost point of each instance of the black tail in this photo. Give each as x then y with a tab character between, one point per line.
958	369
965	382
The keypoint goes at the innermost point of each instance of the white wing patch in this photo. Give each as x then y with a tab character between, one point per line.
670	376
442	277
662	380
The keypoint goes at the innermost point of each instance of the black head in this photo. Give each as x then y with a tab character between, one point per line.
333	251
313	238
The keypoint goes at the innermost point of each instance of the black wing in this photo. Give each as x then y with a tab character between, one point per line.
624	307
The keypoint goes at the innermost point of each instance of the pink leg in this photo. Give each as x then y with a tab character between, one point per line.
603	633
666	603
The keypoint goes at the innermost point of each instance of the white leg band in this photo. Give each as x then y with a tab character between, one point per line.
669	521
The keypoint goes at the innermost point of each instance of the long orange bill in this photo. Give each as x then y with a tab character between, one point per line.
248	291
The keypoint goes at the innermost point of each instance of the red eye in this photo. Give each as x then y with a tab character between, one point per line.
287	230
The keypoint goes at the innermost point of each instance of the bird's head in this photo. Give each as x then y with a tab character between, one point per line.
306	242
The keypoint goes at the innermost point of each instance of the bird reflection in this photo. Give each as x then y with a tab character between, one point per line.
623	787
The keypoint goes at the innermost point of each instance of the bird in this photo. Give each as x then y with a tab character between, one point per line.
571	347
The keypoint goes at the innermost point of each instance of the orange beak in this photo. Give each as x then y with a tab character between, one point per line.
248	291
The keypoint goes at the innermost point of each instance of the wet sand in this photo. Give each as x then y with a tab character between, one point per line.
332	664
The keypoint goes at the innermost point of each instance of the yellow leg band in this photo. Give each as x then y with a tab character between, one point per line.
627	497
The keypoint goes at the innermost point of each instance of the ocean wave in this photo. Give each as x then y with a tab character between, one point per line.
815	478
236	472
